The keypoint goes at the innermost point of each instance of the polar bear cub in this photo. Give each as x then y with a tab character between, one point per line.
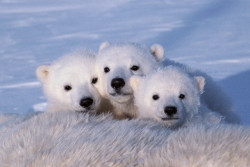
172	97
116	64
68	83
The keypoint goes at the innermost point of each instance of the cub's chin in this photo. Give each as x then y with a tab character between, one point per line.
121	97
171	122
85	110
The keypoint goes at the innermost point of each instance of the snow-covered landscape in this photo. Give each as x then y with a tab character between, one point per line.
210	35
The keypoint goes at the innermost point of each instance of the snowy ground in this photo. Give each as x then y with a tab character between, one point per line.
211	35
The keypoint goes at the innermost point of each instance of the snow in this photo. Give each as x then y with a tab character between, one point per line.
211	35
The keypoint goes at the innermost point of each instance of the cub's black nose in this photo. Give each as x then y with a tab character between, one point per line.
170	110
117	83
86	102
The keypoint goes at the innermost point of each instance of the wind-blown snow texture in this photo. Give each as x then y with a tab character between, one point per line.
211	35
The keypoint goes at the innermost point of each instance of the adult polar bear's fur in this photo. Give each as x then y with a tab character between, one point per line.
218	146
73	139
22	139
68	83
172	97
118	62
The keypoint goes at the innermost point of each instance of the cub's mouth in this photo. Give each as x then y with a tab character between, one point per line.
168	119
120	94
86	110
121	97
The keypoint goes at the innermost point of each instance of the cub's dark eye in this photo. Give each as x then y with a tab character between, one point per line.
67	87
182	96
106	69
94	80
155	97
134	68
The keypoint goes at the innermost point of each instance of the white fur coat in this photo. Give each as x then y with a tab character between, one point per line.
71	139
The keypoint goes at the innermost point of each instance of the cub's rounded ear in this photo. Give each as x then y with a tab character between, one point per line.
42	72
158	51
104	45
200	80
134	81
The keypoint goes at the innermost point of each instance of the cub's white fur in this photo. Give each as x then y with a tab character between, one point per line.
122	62
172	97
67	83
120	58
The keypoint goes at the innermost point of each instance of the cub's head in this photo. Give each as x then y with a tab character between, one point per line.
168	95
68	83
118	62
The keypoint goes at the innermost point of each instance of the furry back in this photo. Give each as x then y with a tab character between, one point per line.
71	139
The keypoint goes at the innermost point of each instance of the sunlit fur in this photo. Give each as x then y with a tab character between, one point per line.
59	139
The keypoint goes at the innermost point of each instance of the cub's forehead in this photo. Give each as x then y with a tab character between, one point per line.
73	66
77	59
168	74
74	69
169	79
124	52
